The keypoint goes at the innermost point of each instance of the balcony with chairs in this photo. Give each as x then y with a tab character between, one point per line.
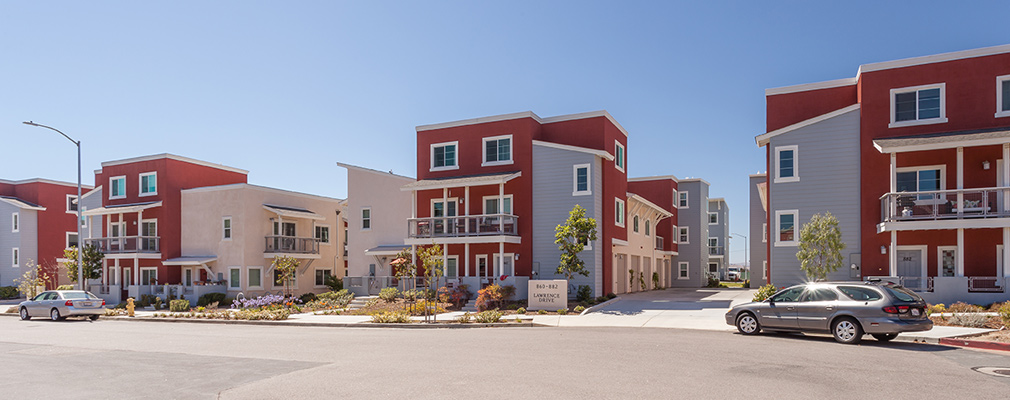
463	226
149	246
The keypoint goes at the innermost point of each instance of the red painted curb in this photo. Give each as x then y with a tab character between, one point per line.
978	344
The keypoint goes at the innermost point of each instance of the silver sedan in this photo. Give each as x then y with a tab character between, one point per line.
847	310
59	304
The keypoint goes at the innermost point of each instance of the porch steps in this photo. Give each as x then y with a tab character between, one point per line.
359	302
471	306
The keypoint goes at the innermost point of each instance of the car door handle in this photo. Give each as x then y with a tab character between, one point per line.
791	308
829	308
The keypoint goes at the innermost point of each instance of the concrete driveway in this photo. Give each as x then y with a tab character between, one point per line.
670	308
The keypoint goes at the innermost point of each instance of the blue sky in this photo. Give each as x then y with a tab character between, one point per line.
287	89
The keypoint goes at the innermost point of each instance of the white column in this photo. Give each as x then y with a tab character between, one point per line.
466	262
413	204
892	255
960	186
466	213
960	252
891	201
445	260
1006	182
501	210
445	212
501	260
1006	247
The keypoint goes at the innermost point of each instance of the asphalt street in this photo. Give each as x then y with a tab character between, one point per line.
127	359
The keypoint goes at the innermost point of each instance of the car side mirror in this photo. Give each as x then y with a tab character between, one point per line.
771	301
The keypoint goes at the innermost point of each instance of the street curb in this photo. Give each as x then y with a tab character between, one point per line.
975	344
328	324
599	306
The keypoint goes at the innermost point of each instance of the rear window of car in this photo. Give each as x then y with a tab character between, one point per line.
860	293
79	296
902	294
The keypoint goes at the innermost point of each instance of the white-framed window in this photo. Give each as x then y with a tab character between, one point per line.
72	240
918	105
634	223
443	156
619	156
921	179
84	219
451	267
676	199
676	234
148	184
286	229
15	257
15	222
278	283
713	218
586	243
226	228
117	187
234	278
786	222
497	150
713	242
322	234
321	276
648	227
619	212
149	234
682	200
491	205
1003	96
786	164
764	232
684	237
366	218
482	265
682	270
580	180
71	204
254	277
764	270
149	276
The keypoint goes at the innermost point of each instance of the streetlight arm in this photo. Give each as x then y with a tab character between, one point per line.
49	127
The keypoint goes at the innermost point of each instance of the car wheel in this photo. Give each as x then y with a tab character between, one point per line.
24	314
747	324
93	317
55	315
884	337
847	331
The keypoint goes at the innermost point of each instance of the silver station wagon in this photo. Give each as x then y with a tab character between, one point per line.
59	304
848	310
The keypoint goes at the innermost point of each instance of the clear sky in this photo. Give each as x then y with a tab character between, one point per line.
285	89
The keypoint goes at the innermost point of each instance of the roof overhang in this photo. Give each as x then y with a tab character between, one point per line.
292	212
764	138
642	200
386	250
479	180
598	153
122	209
190	261
24	205
950	140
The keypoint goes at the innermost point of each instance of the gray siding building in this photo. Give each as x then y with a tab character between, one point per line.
718	238
758	236
692	238
18	241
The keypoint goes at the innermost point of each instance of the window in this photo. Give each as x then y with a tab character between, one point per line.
148	276
619	156
682	268
587	245
451	267
948	260
921	179
255	277
619	212
1003	96
676	234
149	235
117	187
676	199
226	228
278	282
786	227
634	224
713	242
15	222
713	218
72	239
860	293
682	200
491	205
443	156
684	237
647	228
918	105
149	184
15	258
323	234
786	167
234	278
580	180
498	150
322	275
764	232
287	229
366	219
764	270
71	204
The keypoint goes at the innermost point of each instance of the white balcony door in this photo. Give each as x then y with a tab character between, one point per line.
507	270
441	209
188	277
149	229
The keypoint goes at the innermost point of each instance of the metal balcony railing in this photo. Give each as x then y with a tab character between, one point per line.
291	244
716	250
126	244
985	284
945	204
474	225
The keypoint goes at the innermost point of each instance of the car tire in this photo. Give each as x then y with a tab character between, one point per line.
93	317
24	314
847	331
55	315
747	324
884	337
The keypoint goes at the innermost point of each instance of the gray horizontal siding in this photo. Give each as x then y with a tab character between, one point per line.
695	217
26	240
757	220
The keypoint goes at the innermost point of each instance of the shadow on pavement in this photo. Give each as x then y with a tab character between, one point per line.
868	341
635	307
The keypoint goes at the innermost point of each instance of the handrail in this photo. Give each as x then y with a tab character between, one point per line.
925	192
467	225
126	244
290	244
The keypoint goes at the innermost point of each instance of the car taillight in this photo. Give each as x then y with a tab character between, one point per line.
902	309
103	302
69	303
891	310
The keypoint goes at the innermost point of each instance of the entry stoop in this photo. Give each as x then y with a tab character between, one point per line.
359	302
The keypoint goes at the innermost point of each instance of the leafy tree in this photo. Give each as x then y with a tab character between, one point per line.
92	260
431	260
571	238
287	266
820	246
33	279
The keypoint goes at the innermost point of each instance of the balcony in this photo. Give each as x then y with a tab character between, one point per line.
126	244
470	226
716	250
936	205
291	245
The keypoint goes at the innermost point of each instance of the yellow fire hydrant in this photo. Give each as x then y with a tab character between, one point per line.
129	306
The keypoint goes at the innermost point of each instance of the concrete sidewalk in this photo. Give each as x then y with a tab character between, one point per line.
670	308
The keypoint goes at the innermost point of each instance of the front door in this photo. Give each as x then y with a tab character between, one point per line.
909	263
498	269
188	277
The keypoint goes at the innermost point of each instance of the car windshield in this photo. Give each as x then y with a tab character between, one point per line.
860	293
79	296
902	294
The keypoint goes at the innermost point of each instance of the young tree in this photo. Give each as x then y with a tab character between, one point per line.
571	238
92	260
287	266
820	246
33	279
431	260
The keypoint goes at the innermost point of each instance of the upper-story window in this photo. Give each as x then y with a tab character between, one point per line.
713	218
443	156
921	179
619	156
786	164
491	205
1003	96
918	105
619	212
685	238
117	187
648	227
366	218
580	180
226	228
323	234
634	224
15	223
682	200
785	221
149	184
498	150
71	204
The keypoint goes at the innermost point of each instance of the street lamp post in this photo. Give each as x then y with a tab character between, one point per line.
746	255
80	236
